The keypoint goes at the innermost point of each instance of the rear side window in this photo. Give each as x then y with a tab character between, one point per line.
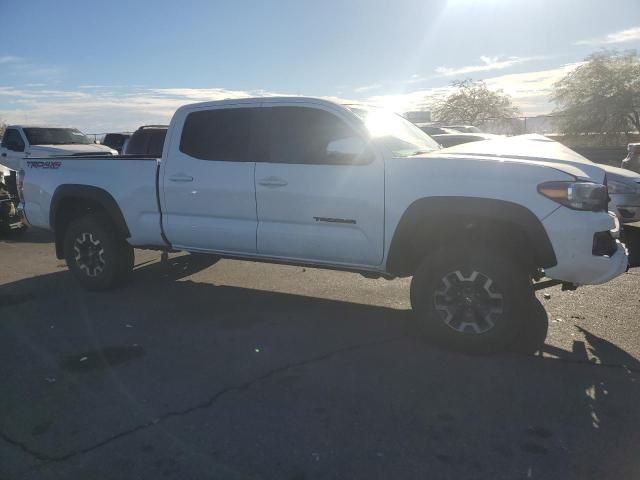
219	134
306	135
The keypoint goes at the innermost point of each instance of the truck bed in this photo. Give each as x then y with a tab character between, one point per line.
131	181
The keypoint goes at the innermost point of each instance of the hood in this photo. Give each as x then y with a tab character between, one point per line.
535	148
621	173
58	150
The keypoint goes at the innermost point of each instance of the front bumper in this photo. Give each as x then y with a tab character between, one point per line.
572	235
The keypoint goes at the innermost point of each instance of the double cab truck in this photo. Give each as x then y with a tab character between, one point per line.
349	187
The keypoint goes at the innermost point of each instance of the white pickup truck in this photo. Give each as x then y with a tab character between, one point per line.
348	187
21	142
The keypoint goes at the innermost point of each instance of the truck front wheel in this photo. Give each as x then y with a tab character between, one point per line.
98	257
471	299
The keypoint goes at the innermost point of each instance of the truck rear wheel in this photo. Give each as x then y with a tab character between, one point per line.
471	299
98	257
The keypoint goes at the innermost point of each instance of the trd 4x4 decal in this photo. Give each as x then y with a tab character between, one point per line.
43	164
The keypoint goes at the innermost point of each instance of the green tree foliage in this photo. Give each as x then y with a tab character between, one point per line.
473	103
600	96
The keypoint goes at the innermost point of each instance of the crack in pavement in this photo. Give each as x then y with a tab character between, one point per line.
200	406
47	459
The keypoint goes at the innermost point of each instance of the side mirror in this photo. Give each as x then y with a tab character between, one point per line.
349	150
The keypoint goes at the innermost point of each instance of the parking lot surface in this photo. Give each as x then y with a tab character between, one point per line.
253	371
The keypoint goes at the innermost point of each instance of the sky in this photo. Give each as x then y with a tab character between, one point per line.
112	66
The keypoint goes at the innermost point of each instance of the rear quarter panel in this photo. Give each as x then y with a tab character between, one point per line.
131	182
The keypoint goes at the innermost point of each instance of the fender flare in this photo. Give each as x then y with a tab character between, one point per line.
486	209
97	196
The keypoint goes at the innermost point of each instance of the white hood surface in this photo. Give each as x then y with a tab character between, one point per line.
535	148
57	150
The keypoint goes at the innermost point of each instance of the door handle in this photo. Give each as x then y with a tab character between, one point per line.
273	182
181	178
4	154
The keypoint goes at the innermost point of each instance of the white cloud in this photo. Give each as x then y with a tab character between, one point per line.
487	64
530	92
13	66
98	110
8	59
117	108
628	35
366	88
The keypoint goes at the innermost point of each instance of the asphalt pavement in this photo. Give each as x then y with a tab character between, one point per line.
240	370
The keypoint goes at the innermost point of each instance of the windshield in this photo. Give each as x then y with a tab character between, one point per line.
401	136
56	136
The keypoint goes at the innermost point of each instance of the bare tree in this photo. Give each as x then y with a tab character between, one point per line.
600	96
473	103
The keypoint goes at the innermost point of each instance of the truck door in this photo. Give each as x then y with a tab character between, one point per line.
319	188
207	180
12	147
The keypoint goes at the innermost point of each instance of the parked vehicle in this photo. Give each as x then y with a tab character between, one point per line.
22	142
450	139
463	128
432	129
147	140
632	161
624	193
10	219
348	187
116	141
623	185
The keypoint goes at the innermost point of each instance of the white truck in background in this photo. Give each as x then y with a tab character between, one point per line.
349	187
21	142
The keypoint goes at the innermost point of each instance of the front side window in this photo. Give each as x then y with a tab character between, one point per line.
308	136
56	136
219	134
12	140
399	135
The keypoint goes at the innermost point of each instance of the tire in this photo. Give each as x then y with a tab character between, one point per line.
471	299
98	257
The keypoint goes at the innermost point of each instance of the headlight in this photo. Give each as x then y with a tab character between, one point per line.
577	195
621	188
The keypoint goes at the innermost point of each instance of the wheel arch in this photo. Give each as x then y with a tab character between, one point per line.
430	222
72	200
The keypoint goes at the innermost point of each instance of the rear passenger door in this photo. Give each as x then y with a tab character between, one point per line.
319	187
208	181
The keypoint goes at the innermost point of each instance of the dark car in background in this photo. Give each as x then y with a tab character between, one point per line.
431	129
448	136
463	128
147	140
632	160
116	141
